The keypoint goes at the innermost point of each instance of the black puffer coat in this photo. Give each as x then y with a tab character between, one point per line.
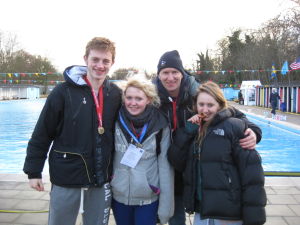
231	178
79	156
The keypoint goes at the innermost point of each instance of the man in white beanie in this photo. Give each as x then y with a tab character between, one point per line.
274	97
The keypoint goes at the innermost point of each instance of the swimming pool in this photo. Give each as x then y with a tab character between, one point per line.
279	147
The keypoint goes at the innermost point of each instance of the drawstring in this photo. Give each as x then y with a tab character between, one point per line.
81	210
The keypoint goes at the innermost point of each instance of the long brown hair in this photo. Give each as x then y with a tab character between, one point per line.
212	89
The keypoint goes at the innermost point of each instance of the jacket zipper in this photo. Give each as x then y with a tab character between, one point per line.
71	153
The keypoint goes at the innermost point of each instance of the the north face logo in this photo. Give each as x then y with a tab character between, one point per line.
219	132
162	63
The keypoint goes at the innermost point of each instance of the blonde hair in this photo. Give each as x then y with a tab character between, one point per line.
144	85
212	89
101	43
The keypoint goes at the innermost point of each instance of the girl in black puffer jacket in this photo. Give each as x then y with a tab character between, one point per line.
223	183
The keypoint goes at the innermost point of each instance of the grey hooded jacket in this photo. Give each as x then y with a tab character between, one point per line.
131	186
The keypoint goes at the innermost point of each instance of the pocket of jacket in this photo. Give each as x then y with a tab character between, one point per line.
120	182
68	169
139	185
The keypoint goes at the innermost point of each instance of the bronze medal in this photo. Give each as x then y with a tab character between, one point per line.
139	145
101	130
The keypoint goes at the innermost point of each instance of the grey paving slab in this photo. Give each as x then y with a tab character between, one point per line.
269	190
297	197
276	221
9	193
289	190
33	218
292	220
9	204
32	194
279	181
282	199
295	208
279	210
8	217
32	205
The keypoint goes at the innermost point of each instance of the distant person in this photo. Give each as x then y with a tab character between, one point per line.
143	179
241	98
274	97
76	125
176	89
223	183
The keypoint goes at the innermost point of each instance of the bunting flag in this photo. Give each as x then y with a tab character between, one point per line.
273	74
285	68
296	65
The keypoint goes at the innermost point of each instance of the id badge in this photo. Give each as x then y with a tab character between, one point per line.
132	156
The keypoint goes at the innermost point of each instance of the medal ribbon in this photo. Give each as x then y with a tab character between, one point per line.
139	140
98	101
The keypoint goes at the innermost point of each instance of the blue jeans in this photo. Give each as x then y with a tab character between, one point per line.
135	214
179	213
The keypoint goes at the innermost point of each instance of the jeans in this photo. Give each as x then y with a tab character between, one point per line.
179	214
135	214
199	221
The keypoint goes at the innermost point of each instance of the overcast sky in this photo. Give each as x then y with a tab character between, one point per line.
142	30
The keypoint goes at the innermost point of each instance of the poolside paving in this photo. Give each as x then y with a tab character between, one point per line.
283	193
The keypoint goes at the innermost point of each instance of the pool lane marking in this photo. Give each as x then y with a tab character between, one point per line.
271	124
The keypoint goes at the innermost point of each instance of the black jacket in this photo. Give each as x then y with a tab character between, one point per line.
184	110
69	122
274	97
229	179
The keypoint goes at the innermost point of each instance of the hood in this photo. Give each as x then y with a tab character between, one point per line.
74	74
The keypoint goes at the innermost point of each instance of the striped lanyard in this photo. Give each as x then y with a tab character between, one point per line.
136	139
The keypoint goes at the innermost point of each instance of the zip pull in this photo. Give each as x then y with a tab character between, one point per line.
170	99
229	180
65	155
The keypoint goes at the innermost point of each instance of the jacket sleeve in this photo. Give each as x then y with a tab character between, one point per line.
252	179
166	180
44	133
238	114
178	150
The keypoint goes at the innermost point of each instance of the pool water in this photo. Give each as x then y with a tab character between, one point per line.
17	121
279	148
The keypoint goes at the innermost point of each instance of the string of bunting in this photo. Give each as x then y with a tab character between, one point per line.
223	72
29	81
29	74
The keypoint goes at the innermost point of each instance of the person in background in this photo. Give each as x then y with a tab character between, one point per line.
223	183
241	98
274	97
176	89
77	125
143	179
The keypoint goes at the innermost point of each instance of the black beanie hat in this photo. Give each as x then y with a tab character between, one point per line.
170	60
